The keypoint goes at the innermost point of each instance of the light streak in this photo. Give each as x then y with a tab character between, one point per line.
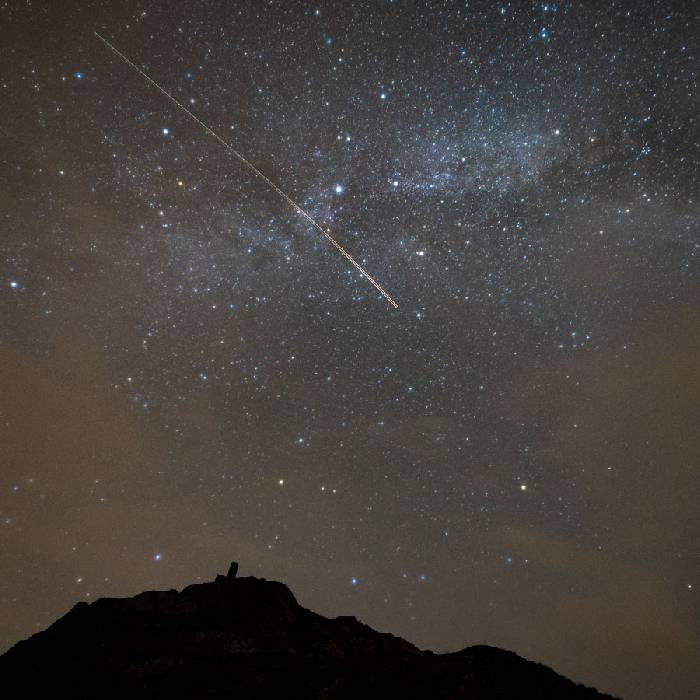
325	232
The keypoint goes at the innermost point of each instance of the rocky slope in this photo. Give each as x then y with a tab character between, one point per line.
249	638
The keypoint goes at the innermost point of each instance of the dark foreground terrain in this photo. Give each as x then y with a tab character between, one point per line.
249	638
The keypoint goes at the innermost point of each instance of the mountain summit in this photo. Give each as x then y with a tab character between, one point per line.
249	638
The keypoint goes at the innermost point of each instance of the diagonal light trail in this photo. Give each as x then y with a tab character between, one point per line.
325	232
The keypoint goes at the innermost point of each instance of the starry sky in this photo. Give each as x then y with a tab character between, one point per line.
191	374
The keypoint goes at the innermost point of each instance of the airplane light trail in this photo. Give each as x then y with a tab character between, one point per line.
324	231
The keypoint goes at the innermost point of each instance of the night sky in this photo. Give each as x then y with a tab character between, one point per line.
190	373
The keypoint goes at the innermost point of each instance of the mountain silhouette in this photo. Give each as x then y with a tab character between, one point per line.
249	638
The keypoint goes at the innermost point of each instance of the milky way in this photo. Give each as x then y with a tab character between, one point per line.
191	374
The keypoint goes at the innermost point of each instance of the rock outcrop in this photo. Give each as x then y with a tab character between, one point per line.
249	638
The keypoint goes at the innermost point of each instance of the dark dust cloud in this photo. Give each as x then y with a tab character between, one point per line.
191	374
